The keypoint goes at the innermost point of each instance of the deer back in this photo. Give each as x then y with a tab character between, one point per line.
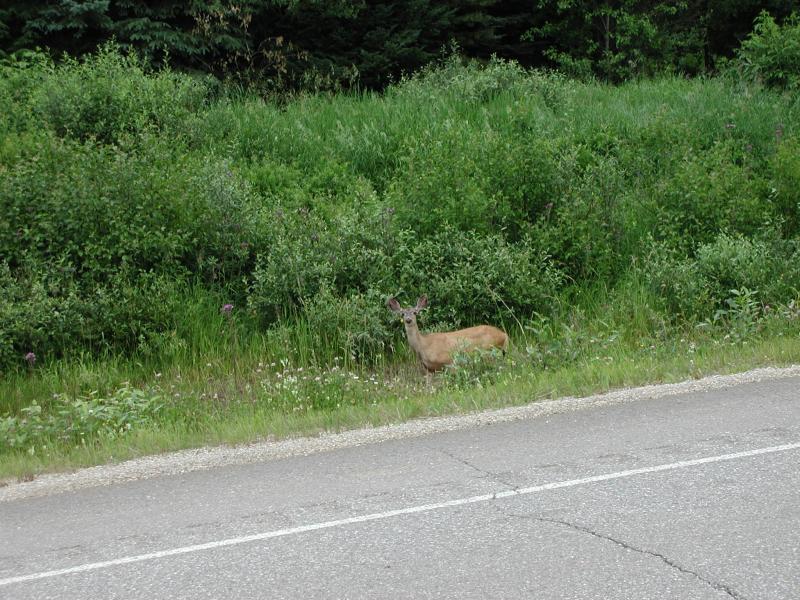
437	349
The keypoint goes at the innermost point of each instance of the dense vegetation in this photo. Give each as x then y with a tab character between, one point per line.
312	44
137	204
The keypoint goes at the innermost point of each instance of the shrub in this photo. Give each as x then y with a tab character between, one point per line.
471	278
108	95
79	420
723	273
583	227
473	179
47	311
786	169
677	281
356	327
771	53
348	254
713	191
105	208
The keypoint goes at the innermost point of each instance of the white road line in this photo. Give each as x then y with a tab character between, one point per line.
393	513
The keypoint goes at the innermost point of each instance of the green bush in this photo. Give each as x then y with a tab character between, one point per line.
677	282
723	272
106	208
786	169
79	420
474	179
357	327
47	311
108	95
470	278
713	190
307	253
771	53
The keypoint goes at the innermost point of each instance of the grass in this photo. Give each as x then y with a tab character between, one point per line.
244	394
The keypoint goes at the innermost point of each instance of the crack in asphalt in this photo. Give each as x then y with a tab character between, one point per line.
666	560
488	474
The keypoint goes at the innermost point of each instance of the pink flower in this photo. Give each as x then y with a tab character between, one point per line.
226	309
30	358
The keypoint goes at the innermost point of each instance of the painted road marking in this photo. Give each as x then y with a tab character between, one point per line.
394	513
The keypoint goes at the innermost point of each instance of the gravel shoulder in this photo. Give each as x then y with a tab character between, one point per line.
220	456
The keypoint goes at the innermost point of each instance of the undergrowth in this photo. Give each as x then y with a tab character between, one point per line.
173	254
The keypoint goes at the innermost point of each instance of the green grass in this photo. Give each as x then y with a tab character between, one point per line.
254	391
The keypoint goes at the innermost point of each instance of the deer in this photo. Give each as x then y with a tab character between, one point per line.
436	350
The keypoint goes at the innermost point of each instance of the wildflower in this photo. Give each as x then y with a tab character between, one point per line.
226	309
30	358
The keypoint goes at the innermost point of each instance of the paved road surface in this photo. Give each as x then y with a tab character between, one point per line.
692	497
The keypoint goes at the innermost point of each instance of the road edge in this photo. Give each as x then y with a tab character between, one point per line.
211	457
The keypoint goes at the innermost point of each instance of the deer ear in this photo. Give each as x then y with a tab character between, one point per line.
422	302
393	304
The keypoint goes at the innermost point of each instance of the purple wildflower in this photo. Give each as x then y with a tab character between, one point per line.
226	309
30	358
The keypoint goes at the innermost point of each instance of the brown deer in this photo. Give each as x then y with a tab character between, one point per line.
436	350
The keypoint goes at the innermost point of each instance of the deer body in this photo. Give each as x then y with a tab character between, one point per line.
436	350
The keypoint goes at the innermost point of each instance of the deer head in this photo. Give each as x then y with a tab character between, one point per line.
408	315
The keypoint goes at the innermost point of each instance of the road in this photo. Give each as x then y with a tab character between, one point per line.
690	496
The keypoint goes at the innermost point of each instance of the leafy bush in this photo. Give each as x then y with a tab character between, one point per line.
677	281
105	208
771	53
475	179
348	254
722	274
712	191
470	278
108	95
356	327
79	420
786	169
47	311
467	80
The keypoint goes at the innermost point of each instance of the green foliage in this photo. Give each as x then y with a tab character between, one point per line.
79	420
108	95
48	310
478	368
356	327
618	40
786	179
309	254
771	54
129	218
470	277
715	190
716	279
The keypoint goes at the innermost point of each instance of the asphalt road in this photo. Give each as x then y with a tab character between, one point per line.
692	496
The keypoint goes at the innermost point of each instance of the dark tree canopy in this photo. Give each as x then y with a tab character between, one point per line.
338	43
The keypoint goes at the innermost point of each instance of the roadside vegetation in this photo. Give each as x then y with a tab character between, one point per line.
181	264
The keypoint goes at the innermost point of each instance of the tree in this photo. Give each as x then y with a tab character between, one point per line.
614	39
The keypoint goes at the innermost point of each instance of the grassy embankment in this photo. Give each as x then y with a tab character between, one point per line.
622	235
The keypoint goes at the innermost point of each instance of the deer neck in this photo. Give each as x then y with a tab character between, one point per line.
415	339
